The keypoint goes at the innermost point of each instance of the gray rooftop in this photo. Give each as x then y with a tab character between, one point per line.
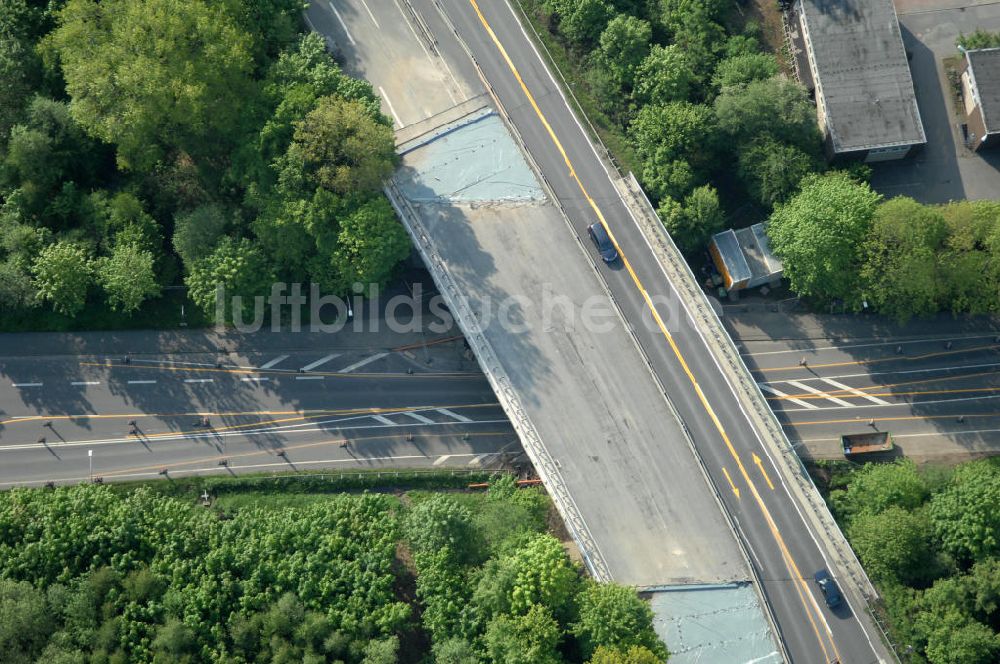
985	65
863	73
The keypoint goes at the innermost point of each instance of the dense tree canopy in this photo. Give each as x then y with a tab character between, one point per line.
151	75
819	234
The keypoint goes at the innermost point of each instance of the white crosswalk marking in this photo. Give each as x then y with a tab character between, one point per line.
779	393
453	415
367	360
813	390
863	395
441	459
420	418
479	458
322	360
273	362
383	420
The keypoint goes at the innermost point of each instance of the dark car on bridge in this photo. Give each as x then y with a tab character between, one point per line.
605	247
831	593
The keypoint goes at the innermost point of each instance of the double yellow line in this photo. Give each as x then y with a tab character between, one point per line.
808	601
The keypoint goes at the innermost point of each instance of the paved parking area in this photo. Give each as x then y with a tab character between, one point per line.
945	170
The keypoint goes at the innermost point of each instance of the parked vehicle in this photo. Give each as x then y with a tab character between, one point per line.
866	443
605	247
831	593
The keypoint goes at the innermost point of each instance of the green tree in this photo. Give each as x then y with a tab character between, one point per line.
151	75
957	639
20	68
692	224
624	44
16	287
63	273
743	69
442	589
455	651
439	522
585	23
382	651
819	236
876	487
771	171
128	277
634	655
665	75
964	514
970	263
615	617
342	148
775	107
370	244
25	622
978	39
675	144
238	266
893	544
543	575
901	273
197	232
530	638
175	643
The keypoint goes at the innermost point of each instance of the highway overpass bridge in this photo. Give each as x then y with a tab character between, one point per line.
636	409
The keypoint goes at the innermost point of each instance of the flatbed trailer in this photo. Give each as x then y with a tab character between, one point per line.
855	444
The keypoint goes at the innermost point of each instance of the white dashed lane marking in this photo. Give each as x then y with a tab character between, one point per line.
420	418
86	382
141	382
779	393
199	380
453	415
813	390
268	365
322	360
367	360
863	395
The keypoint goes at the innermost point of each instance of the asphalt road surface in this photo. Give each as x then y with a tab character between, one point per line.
780	539
935	390
66	417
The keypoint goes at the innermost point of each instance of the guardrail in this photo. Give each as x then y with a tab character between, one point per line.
546	467
722	347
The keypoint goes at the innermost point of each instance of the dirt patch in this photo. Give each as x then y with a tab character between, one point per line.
953	74
412	641
772	31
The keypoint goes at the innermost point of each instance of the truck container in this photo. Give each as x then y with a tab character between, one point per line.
874	442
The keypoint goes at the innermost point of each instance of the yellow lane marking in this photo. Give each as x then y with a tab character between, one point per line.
242	455
899	418
802	588
304	414
760	466
923	381
825	395
897	358
278	372
733	486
